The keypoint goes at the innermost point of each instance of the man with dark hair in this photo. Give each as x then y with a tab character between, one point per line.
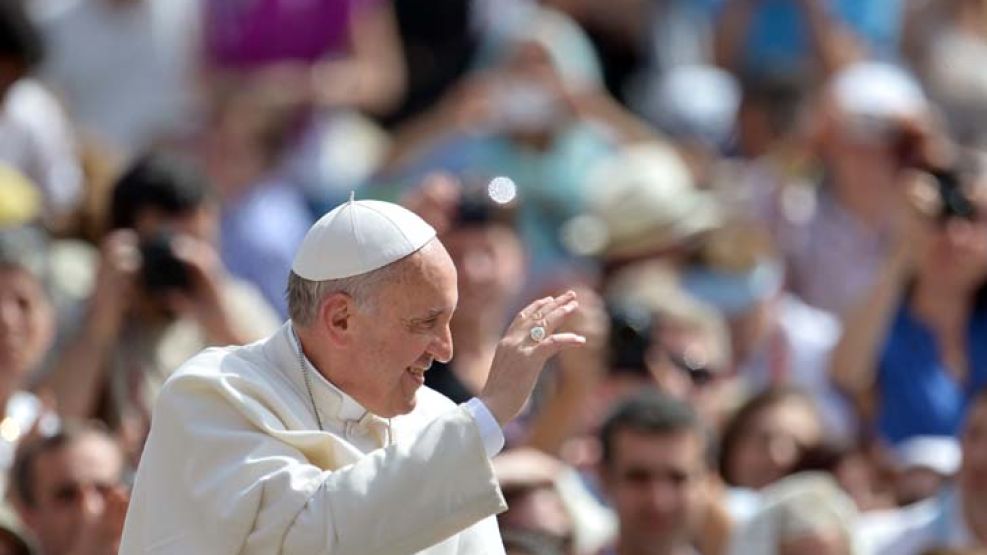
35	135
158	182
161	294
69	491
654	469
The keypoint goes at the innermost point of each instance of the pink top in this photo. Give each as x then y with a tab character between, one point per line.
250	33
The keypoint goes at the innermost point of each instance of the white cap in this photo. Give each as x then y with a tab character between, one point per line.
357	237
878	90
941	454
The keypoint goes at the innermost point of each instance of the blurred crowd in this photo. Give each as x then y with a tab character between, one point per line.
774	211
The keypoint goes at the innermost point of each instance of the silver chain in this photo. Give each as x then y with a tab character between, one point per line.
307	374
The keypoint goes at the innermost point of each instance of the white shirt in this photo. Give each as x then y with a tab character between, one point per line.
125	70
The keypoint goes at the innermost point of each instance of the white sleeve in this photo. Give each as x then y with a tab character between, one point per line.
490	432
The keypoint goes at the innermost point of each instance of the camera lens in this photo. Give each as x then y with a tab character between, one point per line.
161	270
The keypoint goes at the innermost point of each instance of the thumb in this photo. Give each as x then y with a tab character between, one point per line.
554	343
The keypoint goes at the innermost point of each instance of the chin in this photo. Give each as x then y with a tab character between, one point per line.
403	407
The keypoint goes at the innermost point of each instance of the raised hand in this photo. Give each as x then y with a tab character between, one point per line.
528	343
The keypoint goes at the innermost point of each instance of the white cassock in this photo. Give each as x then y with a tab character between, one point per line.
235	463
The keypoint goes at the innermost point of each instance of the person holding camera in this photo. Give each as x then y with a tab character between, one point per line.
915	350
161	294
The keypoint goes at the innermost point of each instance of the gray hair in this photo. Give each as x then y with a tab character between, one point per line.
305	296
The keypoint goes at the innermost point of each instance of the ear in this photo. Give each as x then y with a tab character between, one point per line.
336	316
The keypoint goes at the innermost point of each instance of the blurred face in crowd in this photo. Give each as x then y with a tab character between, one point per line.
862	153
656	485
772	442
685	364
955	251
393	341
528	103
71	483
539	509
973	471
490	264
27	324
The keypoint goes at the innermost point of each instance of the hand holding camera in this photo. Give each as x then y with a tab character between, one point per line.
116	281
186	274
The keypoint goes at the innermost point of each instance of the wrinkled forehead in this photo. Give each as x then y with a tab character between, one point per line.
427	278
85	460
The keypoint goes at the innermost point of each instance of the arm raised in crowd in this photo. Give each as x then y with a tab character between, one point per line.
853	367
77	377
833	46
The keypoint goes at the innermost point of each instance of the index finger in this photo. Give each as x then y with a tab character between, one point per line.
539	309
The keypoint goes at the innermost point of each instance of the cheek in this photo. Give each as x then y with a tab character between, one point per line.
40	327
747	459
401	350
630	498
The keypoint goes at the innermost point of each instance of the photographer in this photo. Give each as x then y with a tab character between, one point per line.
161	294
915	350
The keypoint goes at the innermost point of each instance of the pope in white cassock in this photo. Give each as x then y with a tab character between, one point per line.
321	438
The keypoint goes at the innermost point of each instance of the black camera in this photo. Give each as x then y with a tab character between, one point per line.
484	202
630	339
954	200
161	270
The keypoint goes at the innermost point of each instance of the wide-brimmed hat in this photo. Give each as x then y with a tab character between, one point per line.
647	203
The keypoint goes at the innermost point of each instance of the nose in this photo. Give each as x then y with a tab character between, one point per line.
782	452
662	497
441	348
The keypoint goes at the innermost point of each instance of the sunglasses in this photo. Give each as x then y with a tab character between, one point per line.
698	371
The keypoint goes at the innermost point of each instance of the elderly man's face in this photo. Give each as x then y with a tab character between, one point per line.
27	323
406	330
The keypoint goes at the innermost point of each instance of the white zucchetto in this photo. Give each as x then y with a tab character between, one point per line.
357	237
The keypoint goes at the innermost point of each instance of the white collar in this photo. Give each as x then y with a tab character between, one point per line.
325	392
